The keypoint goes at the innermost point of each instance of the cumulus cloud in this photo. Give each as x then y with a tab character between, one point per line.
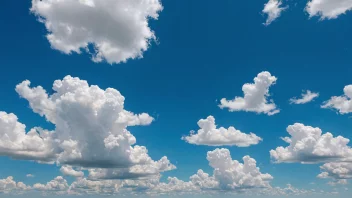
343	104
255	96
117	29
58	185
16	143
8	185
339	172
209	135
90	129
69	171
305	98
310	145
328	9
273	10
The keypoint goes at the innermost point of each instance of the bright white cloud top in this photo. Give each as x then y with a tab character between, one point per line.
273	10
255	96
209	135
328	9
117	29
310	145
305	98
343	104
8	186
90	130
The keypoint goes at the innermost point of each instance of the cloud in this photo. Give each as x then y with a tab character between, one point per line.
30	175
309	145
209	135
136	171
16	143
90	129
343	104
273	10
255	96
69	171
8	185
339	172
306	97
117	29
328	9
58	186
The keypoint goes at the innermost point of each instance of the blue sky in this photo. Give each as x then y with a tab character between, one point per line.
205	51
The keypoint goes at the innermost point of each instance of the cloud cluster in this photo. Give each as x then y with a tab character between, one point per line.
273	10
306	97
8	185
343	104
117	29
328	9
255	96
228	176
209	135
90	131
339	171
310	145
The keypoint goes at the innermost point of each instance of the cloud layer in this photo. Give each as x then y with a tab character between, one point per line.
255	96
209	135
117	29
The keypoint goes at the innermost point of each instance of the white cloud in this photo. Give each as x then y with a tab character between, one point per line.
118	29
309	145
306	97
341	103
17	143
90	129
273	10
69	171
8	185
255	96
339	172
231	174
30	175
328	9
209	135
58	185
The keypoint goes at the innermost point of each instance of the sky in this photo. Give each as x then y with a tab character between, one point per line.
175	98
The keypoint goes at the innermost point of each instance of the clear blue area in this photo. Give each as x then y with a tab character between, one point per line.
207	51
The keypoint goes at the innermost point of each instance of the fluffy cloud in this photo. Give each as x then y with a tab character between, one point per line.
309	145
306	97
30	175
328	9
273	10
255	96
338	171
117	29
343	104
90	130
69	171
209	135
58	185
17	143
8	185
